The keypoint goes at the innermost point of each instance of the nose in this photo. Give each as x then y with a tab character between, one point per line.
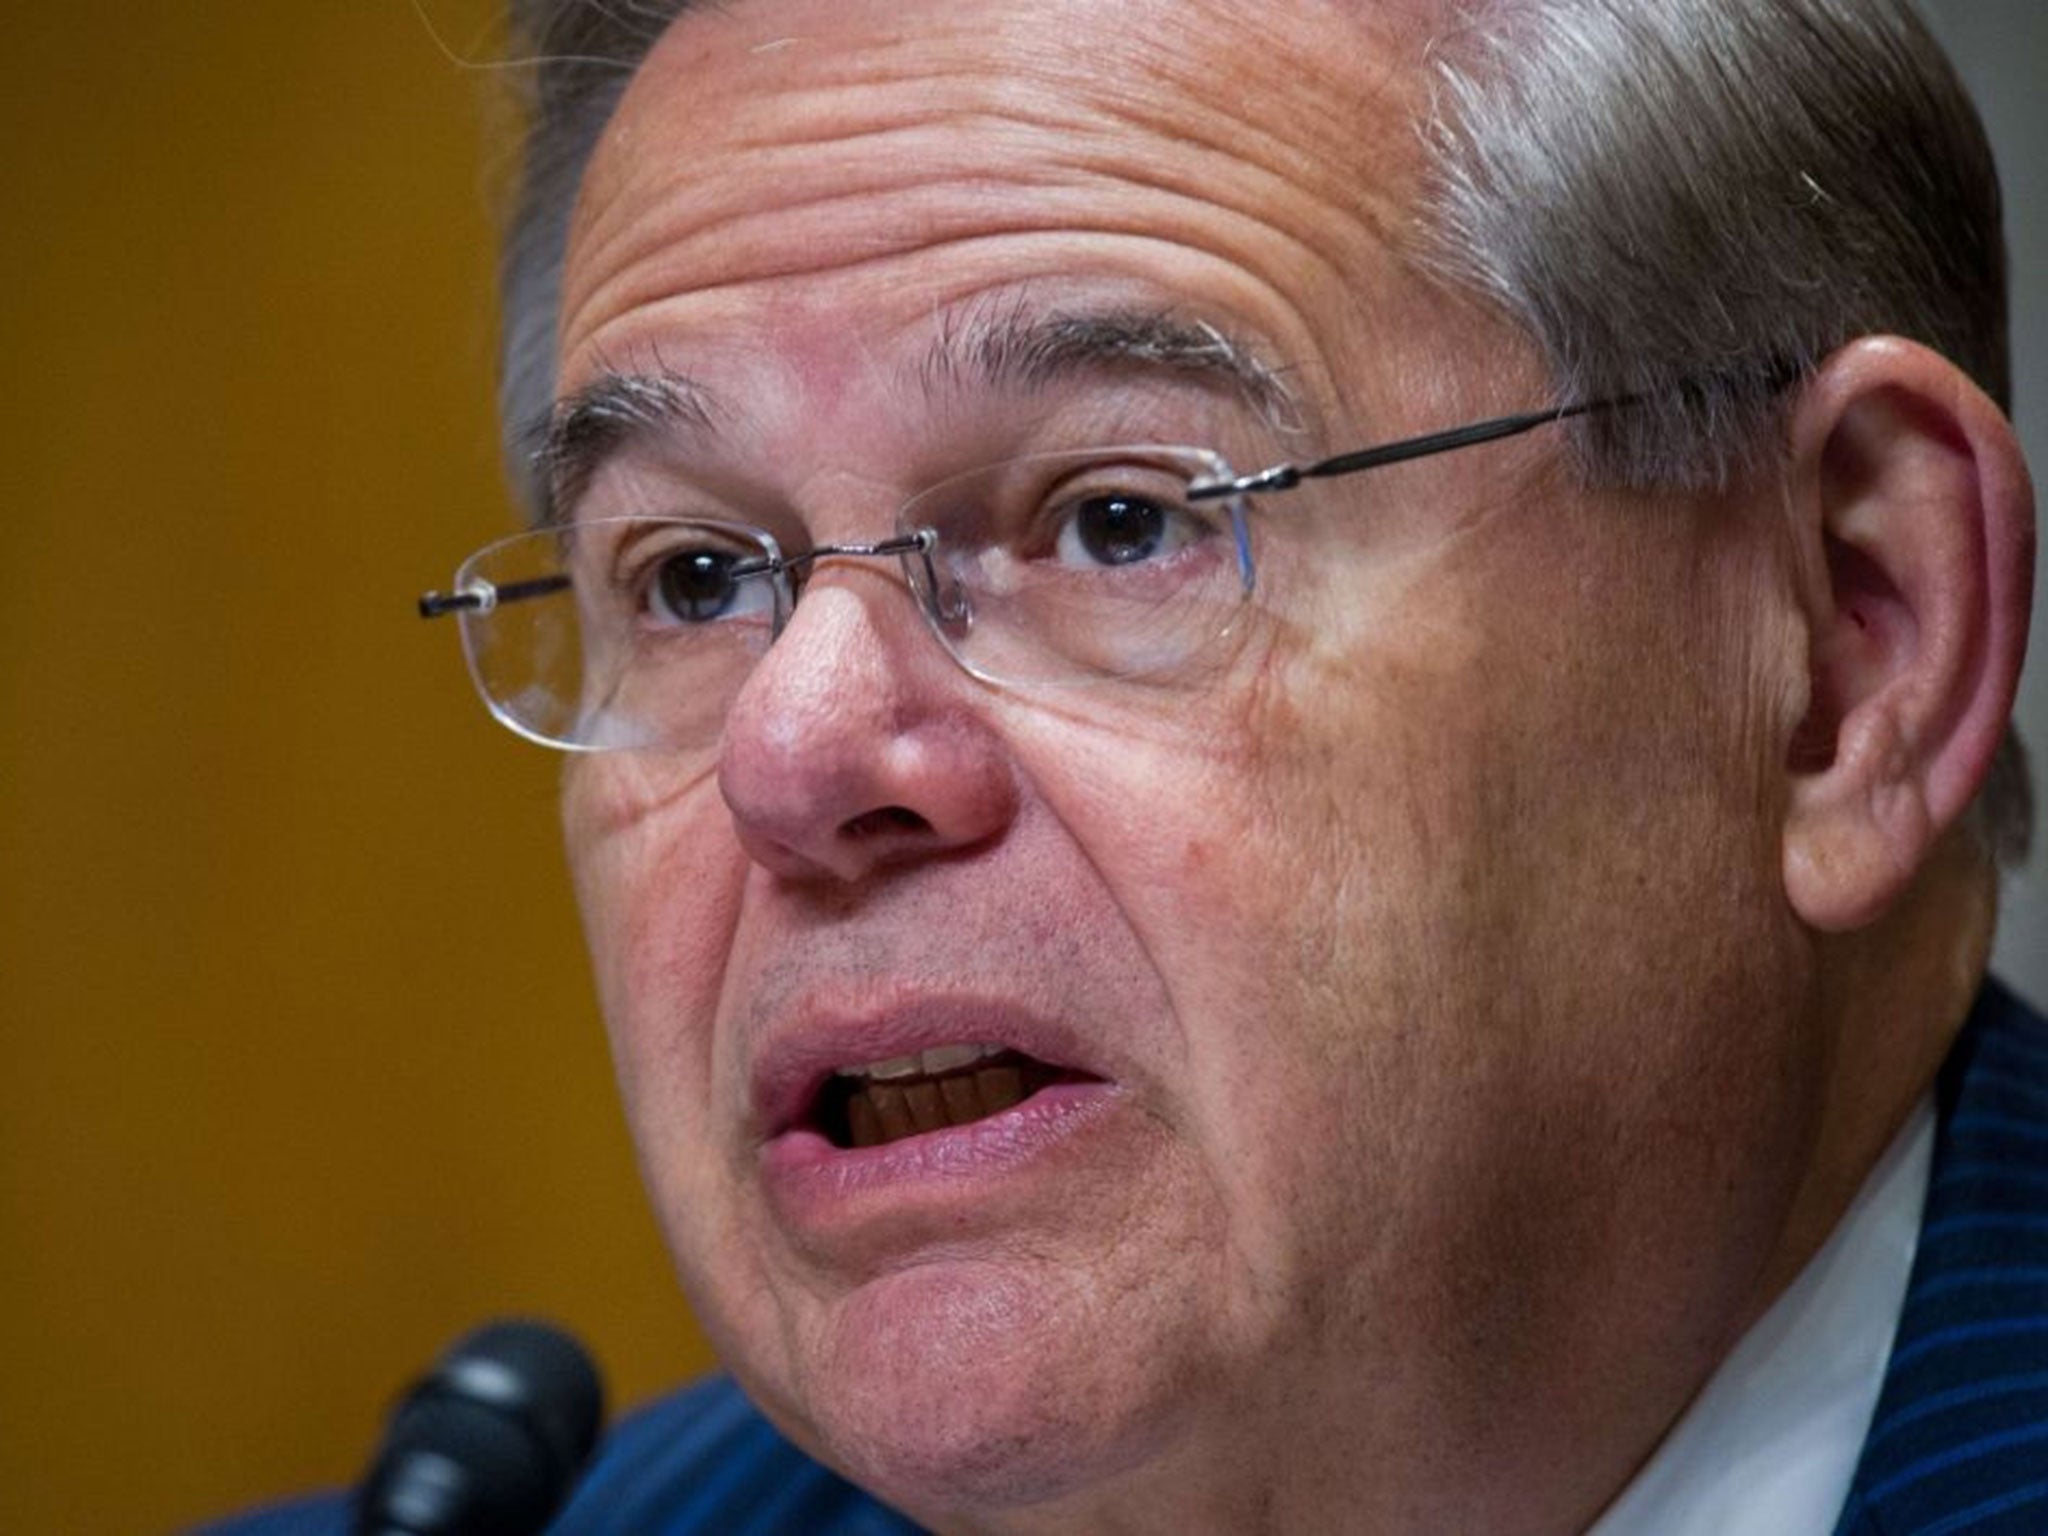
856	745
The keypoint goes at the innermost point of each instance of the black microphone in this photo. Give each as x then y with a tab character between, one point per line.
490	1441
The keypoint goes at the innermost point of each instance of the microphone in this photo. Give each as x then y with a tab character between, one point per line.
490	1441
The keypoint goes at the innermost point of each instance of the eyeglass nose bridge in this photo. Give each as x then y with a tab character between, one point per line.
946	606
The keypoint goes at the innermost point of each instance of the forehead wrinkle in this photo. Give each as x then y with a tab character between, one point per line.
913	111
819	160
833	171
695	254
1004	166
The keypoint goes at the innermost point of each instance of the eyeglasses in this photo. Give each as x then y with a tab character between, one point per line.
1129	563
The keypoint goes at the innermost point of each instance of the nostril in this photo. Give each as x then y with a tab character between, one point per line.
889	818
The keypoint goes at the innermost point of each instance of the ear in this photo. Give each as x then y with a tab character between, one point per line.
1913	509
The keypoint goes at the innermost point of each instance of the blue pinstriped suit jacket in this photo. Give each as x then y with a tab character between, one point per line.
1959	1443
1960	1439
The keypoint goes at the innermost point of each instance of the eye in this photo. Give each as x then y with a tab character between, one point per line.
1112	528
685	577
693	587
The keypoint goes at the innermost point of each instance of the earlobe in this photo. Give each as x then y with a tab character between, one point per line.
1912	503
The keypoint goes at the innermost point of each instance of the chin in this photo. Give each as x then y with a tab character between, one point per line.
978	1386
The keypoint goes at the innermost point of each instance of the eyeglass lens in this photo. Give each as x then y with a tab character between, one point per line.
1058	568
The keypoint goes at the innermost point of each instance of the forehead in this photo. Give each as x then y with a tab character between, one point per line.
841	171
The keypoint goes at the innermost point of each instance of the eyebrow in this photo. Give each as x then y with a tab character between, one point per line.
1010	349
593	423
1014	349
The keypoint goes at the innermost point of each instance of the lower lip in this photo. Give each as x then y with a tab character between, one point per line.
814	1183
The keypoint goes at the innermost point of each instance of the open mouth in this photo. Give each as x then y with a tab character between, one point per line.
949	1085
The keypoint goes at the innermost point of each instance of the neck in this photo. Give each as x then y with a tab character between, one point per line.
1891	998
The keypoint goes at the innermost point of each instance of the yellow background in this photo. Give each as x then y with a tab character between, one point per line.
302	1074
302	1071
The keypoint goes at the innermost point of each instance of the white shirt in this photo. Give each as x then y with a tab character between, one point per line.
1769	1446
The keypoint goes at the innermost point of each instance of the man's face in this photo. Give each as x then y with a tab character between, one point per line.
1407	983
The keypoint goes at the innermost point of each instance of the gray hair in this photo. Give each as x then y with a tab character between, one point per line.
1682	203
582	53
1688	204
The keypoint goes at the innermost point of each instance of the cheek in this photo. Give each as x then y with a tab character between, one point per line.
1517	729
1473	847
658	876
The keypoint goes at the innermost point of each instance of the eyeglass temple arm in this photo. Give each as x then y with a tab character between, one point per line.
1283	477
481	597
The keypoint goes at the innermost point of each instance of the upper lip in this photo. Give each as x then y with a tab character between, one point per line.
796	1056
